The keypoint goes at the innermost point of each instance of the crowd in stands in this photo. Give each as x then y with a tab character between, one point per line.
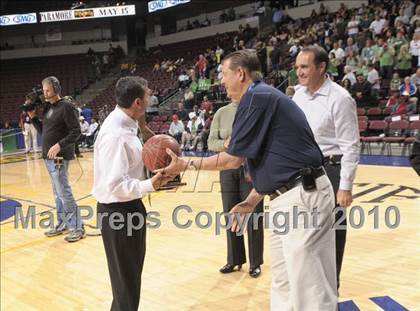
103	62
228	16
374	53
34	44
374	50
199	78
87	41
6	46
188	71
100	63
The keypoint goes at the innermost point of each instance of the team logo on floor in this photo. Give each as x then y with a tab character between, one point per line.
8	208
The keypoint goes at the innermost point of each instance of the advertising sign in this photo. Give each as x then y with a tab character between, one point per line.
18	19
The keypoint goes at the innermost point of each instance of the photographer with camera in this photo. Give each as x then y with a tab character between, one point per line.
60	131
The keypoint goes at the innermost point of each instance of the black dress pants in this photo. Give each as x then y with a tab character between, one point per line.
124	251
333	173
235	189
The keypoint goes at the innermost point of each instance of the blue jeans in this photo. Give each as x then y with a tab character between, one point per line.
67	212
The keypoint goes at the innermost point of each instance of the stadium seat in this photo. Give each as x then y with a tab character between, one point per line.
413	130
374	113
387	111
362	118
396	131
164	128
19	76
379	127
361	111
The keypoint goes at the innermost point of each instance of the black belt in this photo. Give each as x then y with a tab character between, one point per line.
333	159
296	181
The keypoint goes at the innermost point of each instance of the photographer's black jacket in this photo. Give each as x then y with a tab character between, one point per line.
60	125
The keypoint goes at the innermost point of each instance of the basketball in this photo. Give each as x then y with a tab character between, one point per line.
154	151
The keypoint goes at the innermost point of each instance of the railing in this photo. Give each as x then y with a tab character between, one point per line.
284	83
162	105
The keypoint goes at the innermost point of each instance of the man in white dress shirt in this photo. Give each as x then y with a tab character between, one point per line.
377	25
118	186
331	113
338	51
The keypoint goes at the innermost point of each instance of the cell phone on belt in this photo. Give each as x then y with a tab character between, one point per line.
308	179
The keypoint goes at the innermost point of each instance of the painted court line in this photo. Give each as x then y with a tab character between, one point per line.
28	244
388	304
348	305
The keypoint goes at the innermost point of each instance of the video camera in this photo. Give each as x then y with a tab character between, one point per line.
34	99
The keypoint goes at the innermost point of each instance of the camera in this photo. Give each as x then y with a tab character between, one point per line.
34	99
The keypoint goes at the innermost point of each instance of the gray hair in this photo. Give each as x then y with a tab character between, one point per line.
248	60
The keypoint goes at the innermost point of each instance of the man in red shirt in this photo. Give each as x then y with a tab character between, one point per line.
393	100
403	107
201	65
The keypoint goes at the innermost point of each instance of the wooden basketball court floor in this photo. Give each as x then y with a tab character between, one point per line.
181	266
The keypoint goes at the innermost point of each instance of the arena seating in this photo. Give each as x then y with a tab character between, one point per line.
18	77
161	80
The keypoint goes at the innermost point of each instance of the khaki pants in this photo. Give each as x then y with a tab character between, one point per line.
303	257
30	135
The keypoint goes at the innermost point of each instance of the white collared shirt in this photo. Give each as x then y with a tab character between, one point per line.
331	114
176	128
339	53
373	78
118	172
92	128
377	26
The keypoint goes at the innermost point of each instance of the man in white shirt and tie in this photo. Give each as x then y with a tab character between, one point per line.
331	113
119	184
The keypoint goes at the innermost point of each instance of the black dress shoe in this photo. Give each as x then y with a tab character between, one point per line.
255	272
229	268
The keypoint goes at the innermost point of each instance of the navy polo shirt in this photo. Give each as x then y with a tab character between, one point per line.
272	133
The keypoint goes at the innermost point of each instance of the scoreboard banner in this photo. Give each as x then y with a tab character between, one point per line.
80	14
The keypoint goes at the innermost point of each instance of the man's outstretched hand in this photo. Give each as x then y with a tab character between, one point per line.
242	210
176	166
